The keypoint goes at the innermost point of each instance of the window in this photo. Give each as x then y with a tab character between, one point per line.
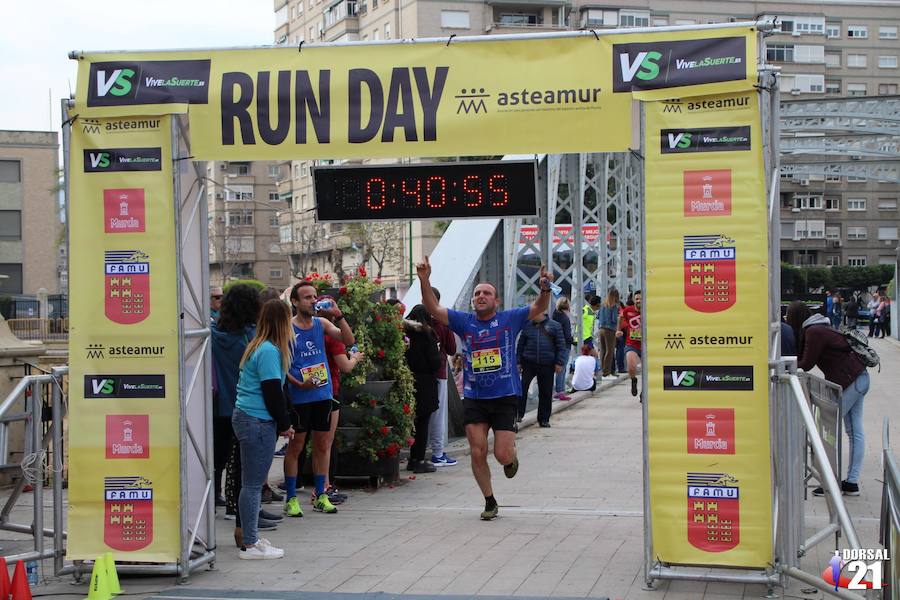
807	258
832	203
238	218
239	245
284	234
809	54
273	220
387	31
455	19
275	171
887	89
274	273
857	233
595	17
855	179
857	61
815	230
780	53
856	204
12	284
304	169
10	226
856	261
809	25
274	249
809	202
685	22
10	171
634	18
281	16
787	230
856	89
887	233
803	83
887	33
273	196
833	88
660	22
238	192
833	232
887	62
860	32
519	19
833	31
887	204
833	260
832	59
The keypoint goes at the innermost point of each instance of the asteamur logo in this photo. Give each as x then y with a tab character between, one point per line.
659	65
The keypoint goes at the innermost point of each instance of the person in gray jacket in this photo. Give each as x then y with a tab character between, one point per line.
541	352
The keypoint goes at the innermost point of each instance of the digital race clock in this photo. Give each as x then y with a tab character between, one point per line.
426	191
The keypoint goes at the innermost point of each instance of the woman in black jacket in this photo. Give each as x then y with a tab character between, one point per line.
424	360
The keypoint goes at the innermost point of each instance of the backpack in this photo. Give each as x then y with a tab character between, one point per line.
859	345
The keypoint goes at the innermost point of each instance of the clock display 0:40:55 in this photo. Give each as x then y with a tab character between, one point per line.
437	191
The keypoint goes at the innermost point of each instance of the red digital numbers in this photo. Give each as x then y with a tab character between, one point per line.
412	195
375	193
498	191
436	192
472	194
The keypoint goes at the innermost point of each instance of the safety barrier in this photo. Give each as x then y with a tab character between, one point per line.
889	530
42	457
45	330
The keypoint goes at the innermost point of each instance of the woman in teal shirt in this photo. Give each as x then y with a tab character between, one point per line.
260	413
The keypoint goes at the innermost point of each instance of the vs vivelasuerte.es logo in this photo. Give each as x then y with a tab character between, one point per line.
123	83
658	65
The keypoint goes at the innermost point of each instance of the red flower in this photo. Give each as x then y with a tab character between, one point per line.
378	280
361	271
377	317
328	276
315	275
385	430
373	402
307	278
410	441
393	449
380	353
343	291
406	409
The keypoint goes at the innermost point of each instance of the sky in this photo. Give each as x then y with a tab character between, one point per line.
38	36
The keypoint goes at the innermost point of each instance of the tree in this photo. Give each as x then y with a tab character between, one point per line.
380	242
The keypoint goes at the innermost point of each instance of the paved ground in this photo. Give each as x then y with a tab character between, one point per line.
570	526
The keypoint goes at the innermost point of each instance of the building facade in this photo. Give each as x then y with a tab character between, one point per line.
824	48
243	205
31	232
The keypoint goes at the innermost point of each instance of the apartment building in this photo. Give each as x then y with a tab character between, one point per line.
243	205
825	48
30	226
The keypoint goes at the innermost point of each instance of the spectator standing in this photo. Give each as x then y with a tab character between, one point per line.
788	341
541	352
561	316
260	414
851	312
609	322
215	303
837	311
873	305
886	316
821	346
424	360
437	423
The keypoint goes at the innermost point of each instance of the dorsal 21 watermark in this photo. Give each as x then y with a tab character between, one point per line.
865	564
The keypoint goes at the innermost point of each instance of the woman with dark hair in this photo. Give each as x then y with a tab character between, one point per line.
820	345
424	360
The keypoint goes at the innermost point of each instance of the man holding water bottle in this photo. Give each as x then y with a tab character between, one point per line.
492	385
310	391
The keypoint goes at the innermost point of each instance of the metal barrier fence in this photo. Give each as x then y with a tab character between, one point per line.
45	330
889	530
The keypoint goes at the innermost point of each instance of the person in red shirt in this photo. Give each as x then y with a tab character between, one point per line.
630	327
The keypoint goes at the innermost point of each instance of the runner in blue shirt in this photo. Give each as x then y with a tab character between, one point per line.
310	393
490	374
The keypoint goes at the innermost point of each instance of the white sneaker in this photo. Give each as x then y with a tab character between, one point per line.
262	550
609	378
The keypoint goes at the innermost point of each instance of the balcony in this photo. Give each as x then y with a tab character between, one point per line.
519	16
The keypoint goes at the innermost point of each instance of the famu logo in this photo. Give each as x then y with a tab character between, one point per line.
708	378
124	386
704	139
109	160
148	82
658	65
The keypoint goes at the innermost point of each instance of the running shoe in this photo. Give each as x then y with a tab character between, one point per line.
292	507
261	550
281	451
264	514
511	469
489	513
270	495
443	460
634	390
323	504
563	397
264	525
609	378
850	489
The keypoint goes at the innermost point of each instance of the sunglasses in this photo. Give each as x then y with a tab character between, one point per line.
219	297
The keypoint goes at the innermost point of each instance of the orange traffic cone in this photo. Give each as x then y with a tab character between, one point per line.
4	579
20	589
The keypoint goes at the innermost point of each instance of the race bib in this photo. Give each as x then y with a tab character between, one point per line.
636	335
317	373
487	360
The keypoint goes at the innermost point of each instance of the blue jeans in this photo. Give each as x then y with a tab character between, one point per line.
852	409
559	384
257	440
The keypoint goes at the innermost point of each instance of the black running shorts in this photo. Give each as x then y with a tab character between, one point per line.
312	416
499	413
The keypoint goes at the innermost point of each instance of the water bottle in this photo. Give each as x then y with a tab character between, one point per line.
324	304
31	569
354	349
555	289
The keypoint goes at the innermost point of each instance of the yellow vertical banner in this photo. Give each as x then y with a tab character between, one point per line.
707	329
124	412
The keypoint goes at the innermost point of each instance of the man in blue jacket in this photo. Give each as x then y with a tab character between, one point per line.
541	353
